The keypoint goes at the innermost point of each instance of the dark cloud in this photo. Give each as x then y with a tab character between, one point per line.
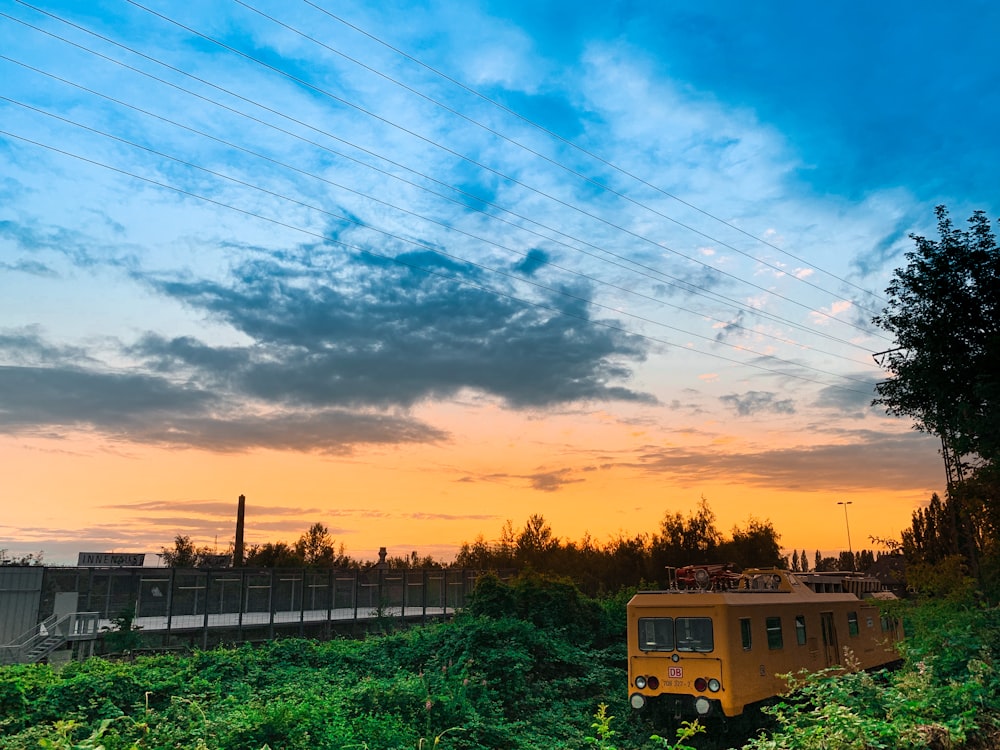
341	346
534	260
687	282
72	244
865	461
757	402
27	346
31	267
854	401
152	409
70	396
210	508
374	333
332	431
732	329
543	481
551	481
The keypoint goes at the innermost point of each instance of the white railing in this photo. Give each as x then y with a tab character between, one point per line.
48	635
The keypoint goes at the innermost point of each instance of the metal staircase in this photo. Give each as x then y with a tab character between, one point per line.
52	633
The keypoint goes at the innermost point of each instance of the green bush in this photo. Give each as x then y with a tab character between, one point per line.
487	680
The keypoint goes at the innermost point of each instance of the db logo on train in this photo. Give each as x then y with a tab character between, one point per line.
675	673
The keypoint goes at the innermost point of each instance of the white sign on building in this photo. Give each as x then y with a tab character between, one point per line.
112	559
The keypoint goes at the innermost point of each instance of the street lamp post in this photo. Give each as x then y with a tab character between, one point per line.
850	550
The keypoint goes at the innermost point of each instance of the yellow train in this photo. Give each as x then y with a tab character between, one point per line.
717	647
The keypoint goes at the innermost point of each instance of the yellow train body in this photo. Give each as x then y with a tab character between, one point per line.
715	652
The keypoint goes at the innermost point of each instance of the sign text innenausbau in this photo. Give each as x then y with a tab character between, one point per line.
112	559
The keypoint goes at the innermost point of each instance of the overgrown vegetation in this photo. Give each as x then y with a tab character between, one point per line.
485	680
946	694
550	677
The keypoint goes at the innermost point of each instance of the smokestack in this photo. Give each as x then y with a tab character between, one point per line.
238	549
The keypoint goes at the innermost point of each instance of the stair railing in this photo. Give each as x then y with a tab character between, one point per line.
44	638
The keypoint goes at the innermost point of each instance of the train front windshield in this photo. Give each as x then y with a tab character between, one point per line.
680	634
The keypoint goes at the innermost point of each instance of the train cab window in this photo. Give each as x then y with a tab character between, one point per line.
694	634
888	623
656	634
800	629
745	633
852	623
774	637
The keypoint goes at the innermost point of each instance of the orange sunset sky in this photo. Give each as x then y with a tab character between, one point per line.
414	270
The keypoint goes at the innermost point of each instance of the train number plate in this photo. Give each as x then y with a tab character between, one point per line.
675	673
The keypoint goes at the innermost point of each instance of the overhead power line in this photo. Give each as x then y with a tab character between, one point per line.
283	165
678	282
555	162
578	147
478	164
433	272
422	245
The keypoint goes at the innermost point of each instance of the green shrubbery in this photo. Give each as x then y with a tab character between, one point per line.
946	692
485	680
551	678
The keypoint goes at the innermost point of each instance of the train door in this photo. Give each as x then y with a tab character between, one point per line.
830	646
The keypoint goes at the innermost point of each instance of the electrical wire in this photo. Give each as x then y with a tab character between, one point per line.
395	207
586	178
481	165
679	283
439	251
577	147
423	269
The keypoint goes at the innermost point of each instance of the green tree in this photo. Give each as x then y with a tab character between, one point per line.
944	312
184	554
755	546
536	542
685	541
273	555
696	537
316	548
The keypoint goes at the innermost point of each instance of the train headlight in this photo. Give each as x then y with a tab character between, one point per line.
637	701
640	682
700	684
702	705
714	685
653	682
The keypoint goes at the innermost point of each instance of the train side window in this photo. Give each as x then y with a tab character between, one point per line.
694	634
852	623
656	634
745	633
800	629
774	637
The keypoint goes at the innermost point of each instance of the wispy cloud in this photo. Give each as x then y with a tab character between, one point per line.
758	402
863	462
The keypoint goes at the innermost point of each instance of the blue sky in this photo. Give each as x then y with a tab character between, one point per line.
304	240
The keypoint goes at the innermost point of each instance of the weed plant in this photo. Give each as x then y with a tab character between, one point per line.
946	694
551	678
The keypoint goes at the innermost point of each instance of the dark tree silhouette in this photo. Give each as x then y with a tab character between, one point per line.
944	312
